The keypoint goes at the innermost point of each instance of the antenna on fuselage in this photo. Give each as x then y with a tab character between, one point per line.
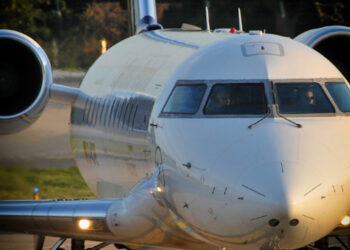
240	21
207	4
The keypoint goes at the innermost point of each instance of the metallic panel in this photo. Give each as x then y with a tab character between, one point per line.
113	142
56	217
143	16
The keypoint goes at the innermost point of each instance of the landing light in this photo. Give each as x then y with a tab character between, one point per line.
159	189
84	224
346	220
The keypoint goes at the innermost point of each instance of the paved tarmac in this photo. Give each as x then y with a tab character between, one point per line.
46	143
26	242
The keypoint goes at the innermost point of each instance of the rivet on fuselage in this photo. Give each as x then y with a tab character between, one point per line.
294	222
274	222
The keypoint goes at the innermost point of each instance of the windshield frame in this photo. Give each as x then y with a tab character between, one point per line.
210	84
321	82
270	94
178	84
338	81
241	83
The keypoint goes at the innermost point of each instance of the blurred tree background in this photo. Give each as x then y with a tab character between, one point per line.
71	31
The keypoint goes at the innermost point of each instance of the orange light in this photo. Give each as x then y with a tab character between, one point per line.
84	224
103	46
346	220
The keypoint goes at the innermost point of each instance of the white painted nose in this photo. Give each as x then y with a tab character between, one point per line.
302	206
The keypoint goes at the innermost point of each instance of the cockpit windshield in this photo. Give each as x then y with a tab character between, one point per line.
341	95
185	99
237	99
246	99
302	98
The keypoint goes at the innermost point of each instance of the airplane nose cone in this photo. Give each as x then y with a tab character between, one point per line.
288	202
288	205
301	206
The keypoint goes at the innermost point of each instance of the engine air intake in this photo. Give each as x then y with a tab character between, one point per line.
20	77
25	77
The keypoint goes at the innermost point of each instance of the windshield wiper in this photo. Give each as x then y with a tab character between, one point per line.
277	109
269	113
298	125
263	118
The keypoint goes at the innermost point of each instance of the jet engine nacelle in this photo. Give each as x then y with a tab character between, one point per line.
333	43
25	79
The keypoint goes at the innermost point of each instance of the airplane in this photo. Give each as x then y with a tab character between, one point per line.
212	139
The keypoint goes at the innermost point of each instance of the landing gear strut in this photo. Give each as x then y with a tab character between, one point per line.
78	244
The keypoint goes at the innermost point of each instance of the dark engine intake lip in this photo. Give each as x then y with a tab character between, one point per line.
29	65
25	79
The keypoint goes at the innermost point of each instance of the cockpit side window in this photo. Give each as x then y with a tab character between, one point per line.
302	98
237	99
341	95
185	99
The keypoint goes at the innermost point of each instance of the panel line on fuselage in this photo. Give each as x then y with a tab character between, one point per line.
162	38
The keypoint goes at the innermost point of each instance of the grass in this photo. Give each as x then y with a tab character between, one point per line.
17	183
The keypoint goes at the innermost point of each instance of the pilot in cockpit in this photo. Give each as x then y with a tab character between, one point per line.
224	99
221	103
311	97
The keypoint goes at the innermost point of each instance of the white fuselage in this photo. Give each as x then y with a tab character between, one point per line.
223	183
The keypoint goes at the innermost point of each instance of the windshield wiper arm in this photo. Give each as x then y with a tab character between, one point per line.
298	125
269	114
263	118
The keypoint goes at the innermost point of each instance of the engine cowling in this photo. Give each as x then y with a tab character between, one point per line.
333	43
25	79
